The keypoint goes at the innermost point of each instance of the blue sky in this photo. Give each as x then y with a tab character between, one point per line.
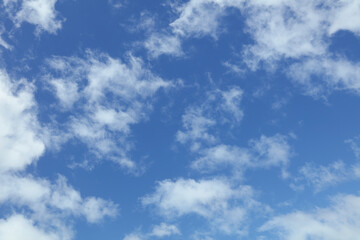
194	119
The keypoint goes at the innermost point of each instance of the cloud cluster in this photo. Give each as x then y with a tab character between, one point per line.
298	32
222	110
40	13
338	221
103	97
40	208
221	107
20	143
225	206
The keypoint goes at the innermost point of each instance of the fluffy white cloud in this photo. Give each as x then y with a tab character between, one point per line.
319	76
263	152
41	13
46	200
302	31
20	140
45	206
198	18
216	200
196	127
164	230
345	17
18	227
281	30
159	44
339	221
112	96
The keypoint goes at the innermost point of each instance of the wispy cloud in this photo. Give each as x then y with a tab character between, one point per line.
41	13
338	221
111	95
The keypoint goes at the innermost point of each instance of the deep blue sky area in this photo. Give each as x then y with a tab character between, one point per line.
179	119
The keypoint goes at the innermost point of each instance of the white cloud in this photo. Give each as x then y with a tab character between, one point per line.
159	44
321	177
231	102
112	96
345	17
196	127
20	140
201	17
339	221
222	156
355	145
196	18
47	201
224	206
66	92
159	231
272	151
133	236
321	76
164	230
41	13
263	152
18	227
220	107
47	207
281	30
2	41
180	197
302	31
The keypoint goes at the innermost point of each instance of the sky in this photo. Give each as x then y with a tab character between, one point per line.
179	119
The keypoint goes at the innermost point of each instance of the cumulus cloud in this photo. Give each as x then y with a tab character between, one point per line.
200	17
113	95
338	221
279	28
50	204
45	207
17	227
216	200
263	152
164	230
20	138
40	13
221	109
299	31
318	77
159	44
